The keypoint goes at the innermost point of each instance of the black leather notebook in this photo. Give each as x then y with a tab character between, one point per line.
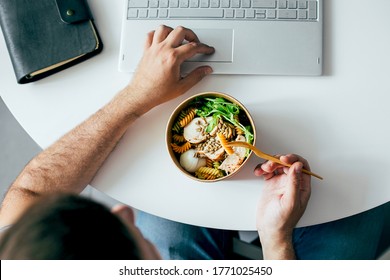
47	36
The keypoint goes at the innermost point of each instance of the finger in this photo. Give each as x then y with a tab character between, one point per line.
279	171
149	39
194	77
179	34
258	171
161	33
291	158
187	51
305	178
270	166
268	176
293	182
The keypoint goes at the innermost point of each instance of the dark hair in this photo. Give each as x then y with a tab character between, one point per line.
68	227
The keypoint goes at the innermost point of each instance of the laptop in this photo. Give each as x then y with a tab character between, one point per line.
260	37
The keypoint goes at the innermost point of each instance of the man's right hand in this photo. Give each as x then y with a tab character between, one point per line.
284	198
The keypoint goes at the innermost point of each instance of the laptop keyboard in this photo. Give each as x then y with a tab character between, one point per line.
295	10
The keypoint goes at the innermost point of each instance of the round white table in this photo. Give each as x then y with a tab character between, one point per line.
338	121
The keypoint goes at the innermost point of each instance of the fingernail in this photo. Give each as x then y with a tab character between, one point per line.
208	70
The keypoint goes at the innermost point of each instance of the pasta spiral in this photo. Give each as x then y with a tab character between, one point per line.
209	162
181	149
188	117
178	138
222	139
177	127
216	164
208	173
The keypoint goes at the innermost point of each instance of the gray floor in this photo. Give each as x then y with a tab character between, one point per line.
17	148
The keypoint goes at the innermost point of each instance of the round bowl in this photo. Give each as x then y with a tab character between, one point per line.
196	129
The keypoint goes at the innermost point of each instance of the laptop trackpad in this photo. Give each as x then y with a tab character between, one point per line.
220	39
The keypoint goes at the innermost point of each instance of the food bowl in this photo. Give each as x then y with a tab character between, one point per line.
197	133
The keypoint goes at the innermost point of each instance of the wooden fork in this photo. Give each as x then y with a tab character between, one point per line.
265	156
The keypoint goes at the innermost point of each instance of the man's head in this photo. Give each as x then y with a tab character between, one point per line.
72	227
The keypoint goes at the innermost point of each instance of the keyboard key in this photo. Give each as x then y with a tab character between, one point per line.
229	13
194	3
264	4
173	3
153	13
240	13
163	13
132	13
282	4
204	3
138	3
164	3
184	3
195	13
225	3
214	3
287	14
302	4
302	14
235	4
271	14
257	11
143	13
260	16
250	13
312	9
245	3
292	4
153	3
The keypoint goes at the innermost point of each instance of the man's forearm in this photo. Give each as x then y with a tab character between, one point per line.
72	161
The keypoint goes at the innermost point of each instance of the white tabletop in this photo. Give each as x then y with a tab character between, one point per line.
338	121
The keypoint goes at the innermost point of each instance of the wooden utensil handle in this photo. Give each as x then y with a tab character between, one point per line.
274	159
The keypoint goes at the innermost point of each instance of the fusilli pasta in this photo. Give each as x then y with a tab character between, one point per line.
188	117
222	139
181	149
207	173
178	138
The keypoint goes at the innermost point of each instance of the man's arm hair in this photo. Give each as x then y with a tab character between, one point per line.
70	163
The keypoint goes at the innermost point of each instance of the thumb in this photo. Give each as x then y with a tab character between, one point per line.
293	182
195	76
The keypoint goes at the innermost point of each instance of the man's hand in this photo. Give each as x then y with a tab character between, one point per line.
284	199
158	78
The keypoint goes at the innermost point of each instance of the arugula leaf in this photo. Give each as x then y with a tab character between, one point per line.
220	108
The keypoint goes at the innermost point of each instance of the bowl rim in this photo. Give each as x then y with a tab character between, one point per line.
181	106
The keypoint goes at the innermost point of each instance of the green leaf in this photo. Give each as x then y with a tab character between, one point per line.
220	108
